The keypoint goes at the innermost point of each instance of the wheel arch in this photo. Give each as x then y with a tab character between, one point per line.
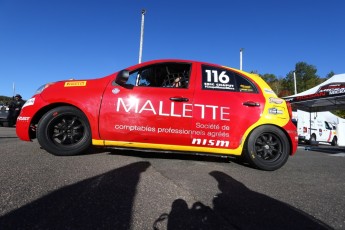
40	113
313	134
270	124
334	140
272	155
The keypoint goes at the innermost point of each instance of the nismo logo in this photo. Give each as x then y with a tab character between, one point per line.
210	142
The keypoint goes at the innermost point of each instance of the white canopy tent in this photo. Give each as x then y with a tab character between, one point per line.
329	95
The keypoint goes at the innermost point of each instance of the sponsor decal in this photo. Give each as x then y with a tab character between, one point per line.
217	79
75	83
134	105
324	92
211	126
246	88
135	128
320	132
269	91
311	96
275	111
275	100
209	130
338	88
20	118
210	142
29	102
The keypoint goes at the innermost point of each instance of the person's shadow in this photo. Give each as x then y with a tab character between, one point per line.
236	207
101	202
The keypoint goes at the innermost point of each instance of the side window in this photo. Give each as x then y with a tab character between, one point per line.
328	126
148	77
132	80
214	78
177	75
245	85
162	75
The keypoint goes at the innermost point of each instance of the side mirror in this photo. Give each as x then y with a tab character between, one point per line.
122	77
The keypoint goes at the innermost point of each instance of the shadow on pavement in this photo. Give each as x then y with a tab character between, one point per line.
101	202
325	148
236	207
148	154
106	202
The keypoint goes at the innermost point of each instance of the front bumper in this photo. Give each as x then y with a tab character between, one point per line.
25	119
301	138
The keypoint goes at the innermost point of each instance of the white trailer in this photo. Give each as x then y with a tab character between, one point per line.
317	127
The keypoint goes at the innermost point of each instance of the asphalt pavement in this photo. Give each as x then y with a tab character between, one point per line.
118	189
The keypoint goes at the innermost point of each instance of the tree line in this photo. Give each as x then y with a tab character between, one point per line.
5	99
306	78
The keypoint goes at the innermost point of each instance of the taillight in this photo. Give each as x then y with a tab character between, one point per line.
289	108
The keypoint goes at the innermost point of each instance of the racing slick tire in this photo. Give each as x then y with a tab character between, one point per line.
267	148
64	131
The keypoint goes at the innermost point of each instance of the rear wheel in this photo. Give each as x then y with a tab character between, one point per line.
312	140
64	131
334	141
267	148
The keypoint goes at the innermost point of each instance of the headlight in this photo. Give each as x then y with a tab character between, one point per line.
29	102
41	88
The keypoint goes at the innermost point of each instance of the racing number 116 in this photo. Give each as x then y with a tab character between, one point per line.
213	76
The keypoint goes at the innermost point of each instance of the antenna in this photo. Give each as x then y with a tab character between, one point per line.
143	12
241	51
14	89
294	80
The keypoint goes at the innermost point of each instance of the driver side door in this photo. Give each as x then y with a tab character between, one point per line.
147	109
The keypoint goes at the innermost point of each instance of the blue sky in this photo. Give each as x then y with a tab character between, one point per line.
49	40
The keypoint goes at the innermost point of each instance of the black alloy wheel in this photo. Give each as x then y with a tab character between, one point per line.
267	148
64	131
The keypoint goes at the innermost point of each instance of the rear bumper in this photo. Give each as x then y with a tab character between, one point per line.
292	132
4	119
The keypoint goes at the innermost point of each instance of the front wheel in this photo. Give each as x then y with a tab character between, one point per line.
267	148
64	131
334	141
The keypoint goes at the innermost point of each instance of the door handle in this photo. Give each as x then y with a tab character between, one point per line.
251	103
179	99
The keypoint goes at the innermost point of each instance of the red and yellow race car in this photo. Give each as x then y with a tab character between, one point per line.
169	105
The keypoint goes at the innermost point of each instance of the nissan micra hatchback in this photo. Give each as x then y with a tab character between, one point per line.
168	105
